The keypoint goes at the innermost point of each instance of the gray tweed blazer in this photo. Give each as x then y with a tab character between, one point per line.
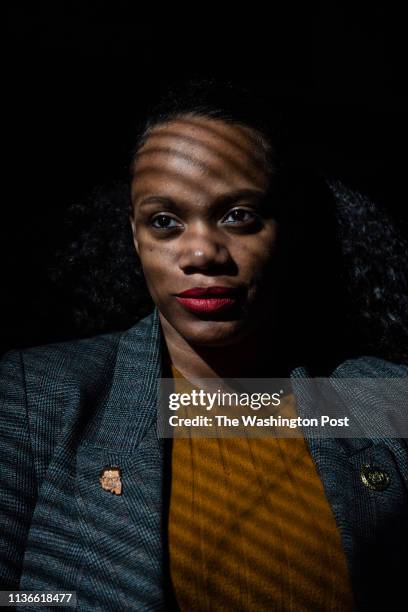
68	410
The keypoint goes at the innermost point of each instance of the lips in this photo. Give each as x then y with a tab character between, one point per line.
208	299
215	290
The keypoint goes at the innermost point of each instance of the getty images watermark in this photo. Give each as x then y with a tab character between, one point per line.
320	407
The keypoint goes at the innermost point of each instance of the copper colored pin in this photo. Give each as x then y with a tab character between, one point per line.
110	479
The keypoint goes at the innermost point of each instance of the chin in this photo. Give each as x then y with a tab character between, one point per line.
213	333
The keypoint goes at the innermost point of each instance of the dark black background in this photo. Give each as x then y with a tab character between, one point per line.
79	74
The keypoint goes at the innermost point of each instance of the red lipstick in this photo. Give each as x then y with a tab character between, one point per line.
207	299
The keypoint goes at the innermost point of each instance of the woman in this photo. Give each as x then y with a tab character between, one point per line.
246	265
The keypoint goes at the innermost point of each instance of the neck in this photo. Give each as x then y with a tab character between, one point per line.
255	356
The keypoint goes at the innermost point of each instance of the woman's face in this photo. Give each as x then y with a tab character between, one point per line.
202	218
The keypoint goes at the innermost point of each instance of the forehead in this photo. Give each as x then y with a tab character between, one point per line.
201	154
110	473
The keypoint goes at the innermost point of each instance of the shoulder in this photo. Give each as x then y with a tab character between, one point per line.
41	387
76	359
51	364
369	367
47	388
63	367
375	392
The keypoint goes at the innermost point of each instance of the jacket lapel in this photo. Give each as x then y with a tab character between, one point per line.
131	406
123	533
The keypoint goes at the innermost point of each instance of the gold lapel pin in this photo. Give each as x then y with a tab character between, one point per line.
110	479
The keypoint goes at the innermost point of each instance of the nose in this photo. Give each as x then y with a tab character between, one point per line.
202	249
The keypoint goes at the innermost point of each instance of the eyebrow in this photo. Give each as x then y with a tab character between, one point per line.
225	199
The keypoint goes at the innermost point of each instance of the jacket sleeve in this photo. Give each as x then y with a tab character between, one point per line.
18	484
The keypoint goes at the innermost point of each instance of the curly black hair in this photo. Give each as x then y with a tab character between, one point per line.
342	283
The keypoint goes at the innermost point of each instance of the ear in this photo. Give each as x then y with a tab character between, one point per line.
135	242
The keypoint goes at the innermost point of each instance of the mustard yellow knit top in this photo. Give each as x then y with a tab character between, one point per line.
250	527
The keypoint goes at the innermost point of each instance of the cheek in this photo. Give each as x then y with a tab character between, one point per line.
256	254
157	259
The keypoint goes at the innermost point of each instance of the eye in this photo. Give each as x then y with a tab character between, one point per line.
241	215
162	221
